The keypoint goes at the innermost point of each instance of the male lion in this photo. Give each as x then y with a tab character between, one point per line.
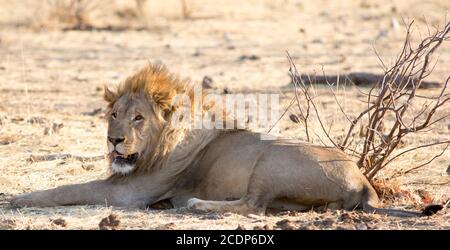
207	169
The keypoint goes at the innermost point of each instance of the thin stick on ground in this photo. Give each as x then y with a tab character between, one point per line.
52	157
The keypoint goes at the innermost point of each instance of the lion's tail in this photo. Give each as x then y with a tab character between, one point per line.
370	204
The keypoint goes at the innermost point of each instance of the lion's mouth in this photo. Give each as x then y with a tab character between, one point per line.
122	159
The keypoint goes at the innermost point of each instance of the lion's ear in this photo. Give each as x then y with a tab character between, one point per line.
166	108
163	99
168	113
109	95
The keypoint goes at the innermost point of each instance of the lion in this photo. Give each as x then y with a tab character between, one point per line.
221	170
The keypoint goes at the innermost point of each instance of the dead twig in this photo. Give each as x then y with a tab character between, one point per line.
430	183
393	94
52	157
427	162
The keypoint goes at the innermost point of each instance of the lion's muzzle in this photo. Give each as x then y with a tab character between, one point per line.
121	159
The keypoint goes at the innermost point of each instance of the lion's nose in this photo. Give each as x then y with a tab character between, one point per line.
115	141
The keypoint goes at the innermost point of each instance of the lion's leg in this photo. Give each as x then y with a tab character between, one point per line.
100	192
255	201
181	200
241	206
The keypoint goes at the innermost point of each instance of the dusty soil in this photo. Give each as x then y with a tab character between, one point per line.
51	94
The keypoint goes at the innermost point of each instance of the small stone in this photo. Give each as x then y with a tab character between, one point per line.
6	140
168	226
17	119
249	58
240	227
207	82
59	222
286	225
61	163
347	217
88	167
197	52
328	222
55	128
36	120
307	227
345	227
294	118
111	222
318	40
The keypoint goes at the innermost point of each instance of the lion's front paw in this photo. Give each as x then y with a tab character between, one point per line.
28	200
19	201
196	205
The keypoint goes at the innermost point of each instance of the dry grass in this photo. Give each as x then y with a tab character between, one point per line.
85	14
55	77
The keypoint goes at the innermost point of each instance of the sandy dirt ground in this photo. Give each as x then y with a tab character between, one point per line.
51	93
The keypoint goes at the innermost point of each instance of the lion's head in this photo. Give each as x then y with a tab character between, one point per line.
137	115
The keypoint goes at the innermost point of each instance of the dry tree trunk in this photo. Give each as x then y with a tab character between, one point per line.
392	94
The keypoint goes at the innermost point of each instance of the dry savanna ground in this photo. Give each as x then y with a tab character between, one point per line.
53	64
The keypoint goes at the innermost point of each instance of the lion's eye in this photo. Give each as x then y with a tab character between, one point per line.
114	115
138	118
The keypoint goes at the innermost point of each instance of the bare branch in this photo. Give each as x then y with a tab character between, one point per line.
393	94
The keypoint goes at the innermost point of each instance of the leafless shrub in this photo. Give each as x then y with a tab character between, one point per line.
140	6
186	10
150	21
393	95
67	14
141	13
